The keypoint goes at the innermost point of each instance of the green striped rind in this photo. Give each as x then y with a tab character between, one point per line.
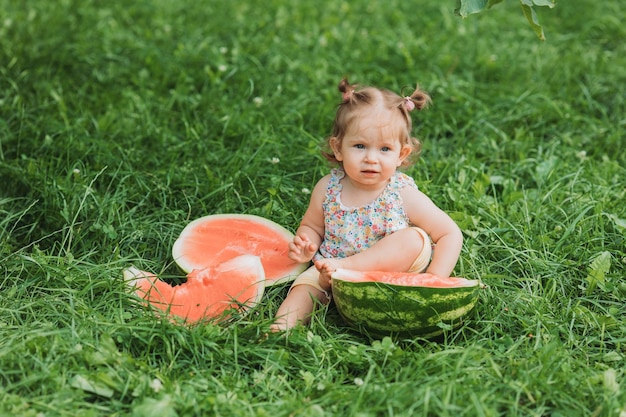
380	308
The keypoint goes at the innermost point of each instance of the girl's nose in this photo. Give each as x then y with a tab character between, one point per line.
370	157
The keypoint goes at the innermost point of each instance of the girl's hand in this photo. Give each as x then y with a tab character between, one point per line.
301	249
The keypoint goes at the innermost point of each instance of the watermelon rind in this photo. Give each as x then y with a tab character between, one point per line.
380	308
252	245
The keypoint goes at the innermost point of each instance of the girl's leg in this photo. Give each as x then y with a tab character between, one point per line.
297	307
394	252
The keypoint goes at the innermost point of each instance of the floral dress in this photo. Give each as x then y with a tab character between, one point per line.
350	230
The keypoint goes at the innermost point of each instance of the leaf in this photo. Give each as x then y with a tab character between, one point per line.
531	16
546	168
445	326
149	407
94	387
619	223
466	7
598	269
547	3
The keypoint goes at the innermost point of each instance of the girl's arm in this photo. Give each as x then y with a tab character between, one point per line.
440	227
310	233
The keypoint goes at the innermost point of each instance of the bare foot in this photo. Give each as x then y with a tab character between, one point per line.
326	267
275	328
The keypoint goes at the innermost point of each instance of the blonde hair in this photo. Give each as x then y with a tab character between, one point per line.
356	101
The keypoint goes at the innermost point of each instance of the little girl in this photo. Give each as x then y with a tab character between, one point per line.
365	215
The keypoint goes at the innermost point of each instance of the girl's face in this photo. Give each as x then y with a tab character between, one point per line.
370	152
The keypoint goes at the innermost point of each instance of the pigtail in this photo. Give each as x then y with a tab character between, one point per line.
347	90
417	100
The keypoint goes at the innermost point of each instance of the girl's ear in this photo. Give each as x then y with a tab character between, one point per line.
335	145
404	153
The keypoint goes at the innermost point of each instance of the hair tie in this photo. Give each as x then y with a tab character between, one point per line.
408	104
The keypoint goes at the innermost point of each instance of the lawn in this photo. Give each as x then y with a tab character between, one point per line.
120	122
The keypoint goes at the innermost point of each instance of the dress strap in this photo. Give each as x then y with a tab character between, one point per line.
333	183
401	180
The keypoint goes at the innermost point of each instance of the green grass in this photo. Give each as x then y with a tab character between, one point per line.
120	122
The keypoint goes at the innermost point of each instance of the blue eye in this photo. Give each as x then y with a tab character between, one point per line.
359	146
385	149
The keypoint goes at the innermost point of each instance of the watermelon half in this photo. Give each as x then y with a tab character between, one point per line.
211	240
406	304
209	293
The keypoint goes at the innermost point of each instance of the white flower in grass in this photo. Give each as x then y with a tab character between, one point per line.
222	68
358	382
156	385
274	160
76	172
257	101
582	155
306	191
223	50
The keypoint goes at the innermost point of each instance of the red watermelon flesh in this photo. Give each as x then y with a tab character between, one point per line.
211	240
404	278
208	293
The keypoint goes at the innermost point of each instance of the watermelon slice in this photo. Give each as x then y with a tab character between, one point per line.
211	240
407	304
208	294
